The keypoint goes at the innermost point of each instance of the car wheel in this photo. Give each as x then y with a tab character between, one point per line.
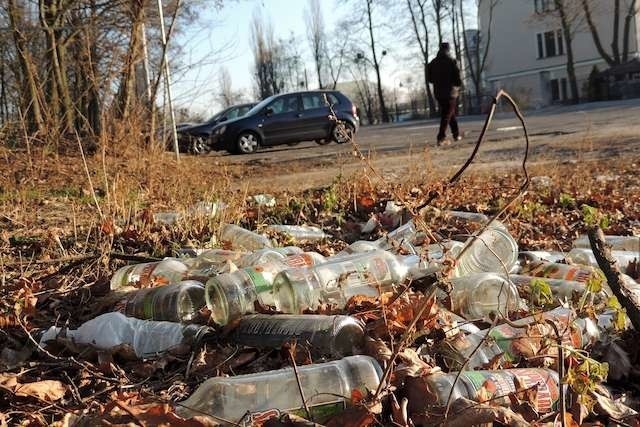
323	141
198	145
343	132
247	143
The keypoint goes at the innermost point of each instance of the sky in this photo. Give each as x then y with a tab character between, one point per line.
221	38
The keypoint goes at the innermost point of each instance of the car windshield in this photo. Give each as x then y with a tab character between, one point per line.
260	105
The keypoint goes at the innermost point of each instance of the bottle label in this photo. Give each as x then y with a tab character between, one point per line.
147	305
502	383
259	282
320	413
297	261
559	271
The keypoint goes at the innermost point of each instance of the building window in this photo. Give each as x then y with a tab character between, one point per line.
550	43
563	89
555	90
540	46
543	6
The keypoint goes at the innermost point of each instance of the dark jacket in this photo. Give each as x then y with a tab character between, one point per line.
445	76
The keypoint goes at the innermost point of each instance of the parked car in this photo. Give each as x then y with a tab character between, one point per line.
194	137
288	119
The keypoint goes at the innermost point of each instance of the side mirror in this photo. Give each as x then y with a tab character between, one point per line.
268	111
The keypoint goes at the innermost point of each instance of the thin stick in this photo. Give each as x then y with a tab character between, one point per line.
86	169
295	371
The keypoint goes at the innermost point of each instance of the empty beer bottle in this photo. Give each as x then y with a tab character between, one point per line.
257	397
618	243
176	302
335	336
481	295
169	270
243	239
494	250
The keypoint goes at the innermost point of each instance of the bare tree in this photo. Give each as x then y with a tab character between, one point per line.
630	11
420	26
439	11
335	55
568	21
226	96
477	51
316	35
264	57
375	59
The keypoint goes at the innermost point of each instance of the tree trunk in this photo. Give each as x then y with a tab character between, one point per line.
30	88
595	34
376	65
627	29
571	72
615	49
430	101
127	82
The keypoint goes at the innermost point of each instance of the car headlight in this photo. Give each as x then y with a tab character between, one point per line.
220	130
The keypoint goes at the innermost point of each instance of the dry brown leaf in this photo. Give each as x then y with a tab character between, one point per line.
47	390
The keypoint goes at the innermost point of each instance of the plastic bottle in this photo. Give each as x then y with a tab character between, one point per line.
336	282
241	238
147	338
177	302
169	270
231	295
326	386
481	255
585	256
508	342
299	232
618	243
495	386
480	295
335	336
562	289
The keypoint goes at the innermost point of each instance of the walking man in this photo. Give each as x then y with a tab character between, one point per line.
444	74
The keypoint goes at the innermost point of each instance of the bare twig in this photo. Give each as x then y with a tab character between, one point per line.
292	359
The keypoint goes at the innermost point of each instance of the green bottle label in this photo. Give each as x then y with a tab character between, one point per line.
259	282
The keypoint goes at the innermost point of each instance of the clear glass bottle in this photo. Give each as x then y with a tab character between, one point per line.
147	338
406	237
496	386
618	243
478	296
562	289
493	251
326	386
531	256
243	239
554	270
585	257
336	336
336	282
357	247
213	259
511	343
231	295
262	256
433	258
176	302
299	232
169	270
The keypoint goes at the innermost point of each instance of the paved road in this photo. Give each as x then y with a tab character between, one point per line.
401	138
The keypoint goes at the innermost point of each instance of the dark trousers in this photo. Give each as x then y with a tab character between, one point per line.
448	117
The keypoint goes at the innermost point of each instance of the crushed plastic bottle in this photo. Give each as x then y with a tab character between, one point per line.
493	251
480	295
336	336
511	344
177	302
147	338
495	386
327	387
169	270
335	282
243	239
617	243
299	232
231	295
586	257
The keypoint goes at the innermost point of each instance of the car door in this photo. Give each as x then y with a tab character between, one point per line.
314	120
280	123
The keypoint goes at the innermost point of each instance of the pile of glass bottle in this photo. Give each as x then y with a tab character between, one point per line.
488	279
